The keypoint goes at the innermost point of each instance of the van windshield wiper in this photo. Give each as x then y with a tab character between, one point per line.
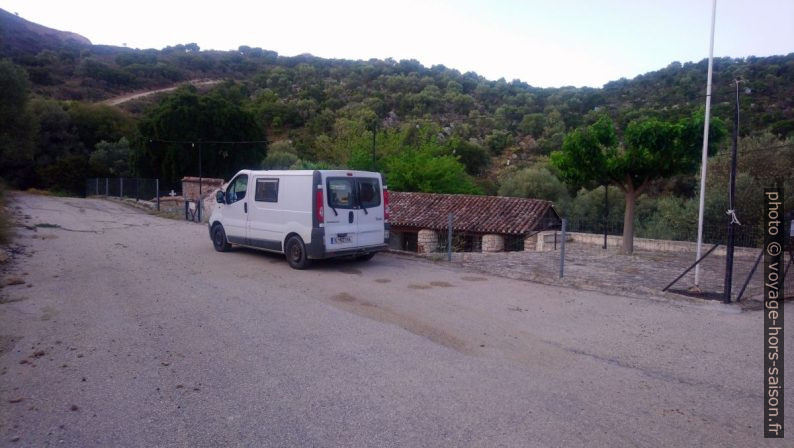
334	209
365	209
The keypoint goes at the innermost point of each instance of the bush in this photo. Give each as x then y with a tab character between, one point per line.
279	160
536	182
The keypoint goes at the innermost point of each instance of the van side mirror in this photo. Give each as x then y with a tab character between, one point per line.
220	197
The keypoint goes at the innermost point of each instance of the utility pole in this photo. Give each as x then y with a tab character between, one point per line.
606	212
705	157
731	204
374	130
198	202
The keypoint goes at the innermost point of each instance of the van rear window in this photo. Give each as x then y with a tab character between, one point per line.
340	193
368	192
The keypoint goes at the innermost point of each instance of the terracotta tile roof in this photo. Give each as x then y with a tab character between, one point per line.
481	214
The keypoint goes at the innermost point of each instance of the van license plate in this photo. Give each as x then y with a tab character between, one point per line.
340	239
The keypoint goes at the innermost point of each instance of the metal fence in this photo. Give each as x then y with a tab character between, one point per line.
125	187
745	235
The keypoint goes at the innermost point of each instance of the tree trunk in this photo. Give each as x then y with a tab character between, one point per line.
628	222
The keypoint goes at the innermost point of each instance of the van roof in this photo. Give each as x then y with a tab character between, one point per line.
309	172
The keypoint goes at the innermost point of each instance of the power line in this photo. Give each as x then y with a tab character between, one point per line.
211	142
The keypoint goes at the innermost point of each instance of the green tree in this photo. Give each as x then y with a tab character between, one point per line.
536	182
473	156
17	125
651	149
112	158
279	160
173	132
421	170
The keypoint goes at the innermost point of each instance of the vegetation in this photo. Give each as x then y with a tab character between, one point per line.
650	150
427	128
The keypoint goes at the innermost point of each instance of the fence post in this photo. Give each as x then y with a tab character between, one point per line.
562	248
157	192
121	187
199	204
449	237
97	186
137	188
107	186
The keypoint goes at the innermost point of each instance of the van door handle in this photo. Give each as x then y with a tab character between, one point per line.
245	207
350	217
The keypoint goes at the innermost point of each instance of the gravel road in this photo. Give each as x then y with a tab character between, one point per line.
130	330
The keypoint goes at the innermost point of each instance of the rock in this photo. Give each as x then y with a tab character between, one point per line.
14	281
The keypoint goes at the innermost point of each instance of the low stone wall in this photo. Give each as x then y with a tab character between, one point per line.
546	243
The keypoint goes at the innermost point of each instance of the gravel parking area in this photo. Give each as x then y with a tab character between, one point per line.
119	328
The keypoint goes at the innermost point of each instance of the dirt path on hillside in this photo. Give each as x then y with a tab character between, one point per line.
136	95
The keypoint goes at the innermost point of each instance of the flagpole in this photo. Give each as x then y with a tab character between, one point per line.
705	157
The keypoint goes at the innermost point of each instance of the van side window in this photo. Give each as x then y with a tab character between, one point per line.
340	192
236	189
368	192
266	190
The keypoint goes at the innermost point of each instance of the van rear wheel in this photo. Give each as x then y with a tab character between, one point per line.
219	239
296	253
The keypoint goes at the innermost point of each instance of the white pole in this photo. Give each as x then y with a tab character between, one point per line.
705	158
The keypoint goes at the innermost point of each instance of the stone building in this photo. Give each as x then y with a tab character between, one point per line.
190	187
190	192
480	223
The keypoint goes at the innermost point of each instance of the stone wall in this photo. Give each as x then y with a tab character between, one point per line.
190	187
531	242
493	243
427	241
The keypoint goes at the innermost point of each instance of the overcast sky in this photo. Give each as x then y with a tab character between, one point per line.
547	43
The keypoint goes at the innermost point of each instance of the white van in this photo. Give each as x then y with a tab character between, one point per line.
306	215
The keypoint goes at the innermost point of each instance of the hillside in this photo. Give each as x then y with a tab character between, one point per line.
66	66
324	112
21	37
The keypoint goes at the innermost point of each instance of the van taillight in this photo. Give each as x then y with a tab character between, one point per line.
385	205
320	207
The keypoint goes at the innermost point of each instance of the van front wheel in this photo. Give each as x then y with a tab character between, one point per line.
296	253
219	239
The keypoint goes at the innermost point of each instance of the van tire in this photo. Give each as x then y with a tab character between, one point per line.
219	239
296	253
365	257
